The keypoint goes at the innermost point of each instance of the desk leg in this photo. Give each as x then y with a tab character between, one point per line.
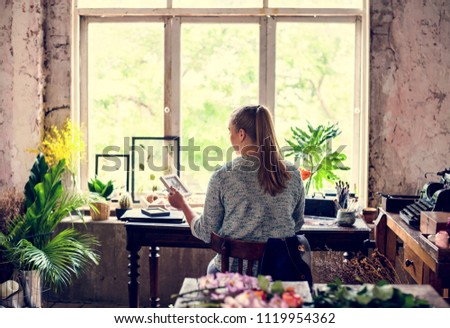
133	274
153	262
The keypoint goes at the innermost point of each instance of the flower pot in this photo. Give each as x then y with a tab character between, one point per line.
345	218
120	212
102	212
32	288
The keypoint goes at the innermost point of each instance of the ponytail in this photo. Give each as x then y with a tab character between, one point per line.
257	122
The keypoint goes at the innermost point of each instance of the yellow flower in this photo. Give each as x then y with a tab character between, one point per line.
65	143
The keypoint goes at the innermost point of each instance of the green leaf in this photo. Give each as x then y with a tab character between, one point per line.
364	298
263	283
277	287
383	293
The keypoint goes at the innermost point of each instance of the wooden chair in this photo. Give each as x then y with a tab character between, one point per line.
251	252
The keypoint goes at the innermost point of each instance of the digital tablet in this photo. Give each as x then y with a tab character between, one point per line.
174	181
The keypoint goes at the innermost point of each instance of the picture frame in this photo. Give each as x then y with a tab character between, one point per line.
115	167
175	181
152	156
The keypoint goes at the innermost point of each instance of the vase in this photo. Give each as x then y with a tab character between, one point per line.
32	290
345	218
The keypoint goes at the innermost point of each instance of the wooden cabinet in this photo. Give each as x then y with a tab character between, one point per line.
390	229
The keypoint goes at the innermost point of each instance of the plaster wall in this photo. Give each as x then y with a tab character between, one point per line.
21	87
409	94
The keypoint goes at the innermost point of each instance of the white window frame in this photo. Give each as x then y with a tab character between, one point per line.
174	17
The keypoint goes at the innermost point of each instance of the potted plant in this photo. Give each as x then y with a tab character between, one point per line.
311	146
30	243
125	202
12	204
101	209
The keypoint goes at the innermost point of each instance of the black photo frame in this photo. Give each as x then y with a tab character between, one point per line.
152	155
106	173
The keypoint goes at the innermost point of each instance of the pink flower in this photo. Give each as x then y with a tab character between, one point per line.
292	300
233	290
277	302
208	281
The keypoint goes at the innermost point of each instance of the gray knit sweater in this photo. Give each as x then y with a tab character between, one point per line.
237	207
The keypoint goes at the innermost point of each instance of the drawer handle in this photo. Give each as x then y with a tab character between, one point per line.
409	263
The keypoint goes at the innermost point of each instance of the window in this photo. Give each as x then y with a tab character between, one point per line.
177	68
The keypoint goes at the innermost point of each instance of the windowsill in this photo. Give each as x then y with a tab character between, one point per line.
196	201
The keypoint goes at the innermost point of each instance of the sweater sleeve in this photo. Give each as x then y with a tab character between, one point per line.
213	213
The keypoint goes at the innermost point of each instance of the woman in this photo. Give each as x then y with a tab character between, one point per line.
254	197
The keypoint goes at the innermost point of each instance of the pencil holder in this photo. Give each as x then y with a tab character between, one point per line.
345	218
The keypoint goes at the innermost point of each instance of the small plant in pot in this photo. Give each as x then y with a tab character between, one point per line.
319	162
125	202
104	190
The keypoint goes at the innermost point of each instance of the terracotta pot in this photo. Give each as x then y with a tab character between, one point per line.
369	214
102	213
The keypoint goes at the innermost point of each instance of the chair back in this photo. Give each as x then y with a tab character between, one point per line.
251	252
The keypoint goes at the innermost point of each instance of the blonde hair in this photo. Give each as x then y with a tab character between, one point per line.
257	123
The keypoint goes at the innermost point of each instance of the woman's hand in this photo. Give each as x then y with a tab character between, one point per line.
175	198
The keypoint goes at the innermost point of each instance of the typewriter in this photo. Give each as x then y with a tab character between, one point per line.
434	196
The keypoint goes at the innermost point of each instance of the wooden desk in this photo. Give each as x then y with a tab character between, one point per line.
422	291
155	235
422	267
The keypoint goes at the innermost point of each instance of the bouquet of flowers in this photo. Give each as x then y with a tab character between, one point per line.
233	290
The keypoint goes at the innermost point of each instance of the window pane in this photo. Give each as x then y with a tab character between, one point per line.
122	4
217	4
126	66
316	3
219	72
315	80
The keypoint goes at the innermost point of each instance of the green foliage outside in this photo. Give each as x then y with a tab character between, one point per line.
219	72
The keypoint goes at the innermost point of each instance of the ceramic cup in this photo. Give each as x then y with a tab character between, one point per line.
369	214
345	218
441	239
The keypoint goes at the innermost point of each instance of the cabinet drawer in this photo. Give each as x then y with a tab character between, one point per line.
413	264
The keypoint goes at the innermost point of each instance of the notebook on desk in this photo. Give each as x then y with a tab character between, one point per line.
136	215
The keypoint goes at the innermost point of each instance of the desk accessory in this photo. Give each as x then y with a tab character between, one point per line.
174	181
155	212
136	215
435	196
